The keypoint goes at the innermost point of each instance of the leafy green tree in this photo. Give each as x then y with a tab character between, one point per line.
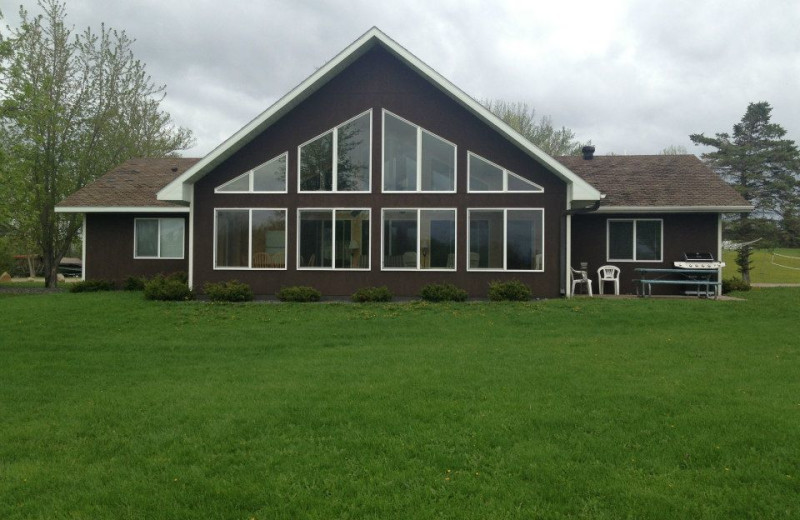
71	108
674	150
522	118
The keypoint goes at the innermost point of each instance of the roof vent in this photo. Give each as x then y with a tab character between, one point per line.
174	168
588	152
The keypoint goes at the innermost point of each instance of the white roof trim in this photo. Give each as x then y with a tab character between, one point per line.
177	189
121	209
674	209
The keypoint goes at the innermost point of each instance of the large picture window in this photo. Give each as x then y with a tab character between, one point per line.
250	239
339	159
333	238
419	239
485	176
269	177
634	240
414	159
158	237
506	239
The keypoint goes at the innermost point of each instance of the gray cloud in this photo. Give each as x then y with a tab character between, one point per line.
634	77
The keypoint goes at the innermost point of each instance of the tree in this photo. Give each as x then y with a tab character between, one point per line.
674	150
522	118
71	108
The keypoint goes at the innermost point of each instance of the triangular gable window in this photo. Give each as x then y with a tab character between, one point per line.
269	177
487	177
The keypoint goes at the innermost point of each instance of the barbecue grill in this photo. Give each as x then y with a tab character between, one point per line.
699	261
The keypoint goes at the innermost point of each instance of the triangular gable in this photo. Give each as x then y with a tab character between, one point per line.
180	188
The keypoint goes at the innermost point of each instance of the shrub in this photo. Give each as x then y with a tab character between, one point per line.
92	286
734	284
299	293
134	283
179	276
514	291
442	292
372	294
230	291
167	289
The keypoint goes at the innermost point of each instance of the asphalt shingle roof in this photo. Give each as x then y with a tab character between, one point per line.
654	180
133	183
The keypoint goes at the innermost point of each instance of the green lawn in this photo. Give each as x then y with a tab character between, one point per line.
765	271
114	407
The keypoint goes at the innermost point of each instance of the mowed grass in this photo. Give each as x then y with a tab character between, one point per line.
114	407
765	271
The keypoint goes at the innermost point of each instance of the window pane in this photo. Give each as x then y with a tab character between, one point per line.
316	164
399	155
352	239
516	183
240	183
437	239
486	230
146	237
524	241
233	238
269	238
438	164
620	240
171	238
270	176
316	235
353	143
400	239
484	176
648	240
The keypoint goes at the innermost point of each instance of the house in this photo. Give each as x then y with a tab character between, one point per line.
376	170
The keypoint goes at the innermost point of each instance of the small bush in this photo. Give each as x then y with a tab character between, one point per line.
442	292
372	294
92	286
167	289
734	284
514	291
230	291
134	283
179	276
299	293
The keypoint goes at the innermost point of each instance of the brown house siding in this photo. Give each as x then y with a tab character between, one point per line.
109	248
377	81
681	233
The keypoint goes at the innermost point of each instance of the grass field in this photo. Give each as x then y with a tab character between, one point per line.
765	271
114	407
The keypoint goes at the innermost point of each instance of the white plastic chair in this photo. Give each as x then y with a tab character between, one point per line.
608	273
580	277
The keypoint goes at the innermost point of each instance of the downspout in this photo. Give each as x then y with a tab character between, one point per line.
83	249
190	266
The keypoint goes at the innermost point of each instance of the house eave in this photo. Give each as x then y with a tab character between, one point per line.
675	209
120	209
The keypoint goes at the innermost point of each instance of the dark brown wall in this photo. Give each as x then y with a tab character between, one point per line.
695	232
377	80
109	248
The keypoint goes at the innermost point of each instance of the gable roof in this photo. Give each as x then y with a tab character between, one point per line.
131	186
657	183
179	189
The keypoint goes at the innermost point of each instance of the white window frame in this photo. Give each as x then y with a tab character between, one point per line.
419	239
505	242
506	173
420	130
335	157
250	174
158	244
333	267
634	221
250	240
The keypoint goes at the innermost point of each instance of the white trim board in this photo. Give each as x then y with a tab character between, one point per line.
674	209
121	209
178	190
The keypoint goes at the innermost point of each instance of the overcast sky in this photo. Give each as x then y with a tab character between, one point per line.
632	76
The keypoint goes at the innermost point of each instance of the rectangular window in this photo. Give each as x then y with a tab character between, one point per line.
506	239
339	159
634	240
333	238
250	239
415	159
158	237
419	239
